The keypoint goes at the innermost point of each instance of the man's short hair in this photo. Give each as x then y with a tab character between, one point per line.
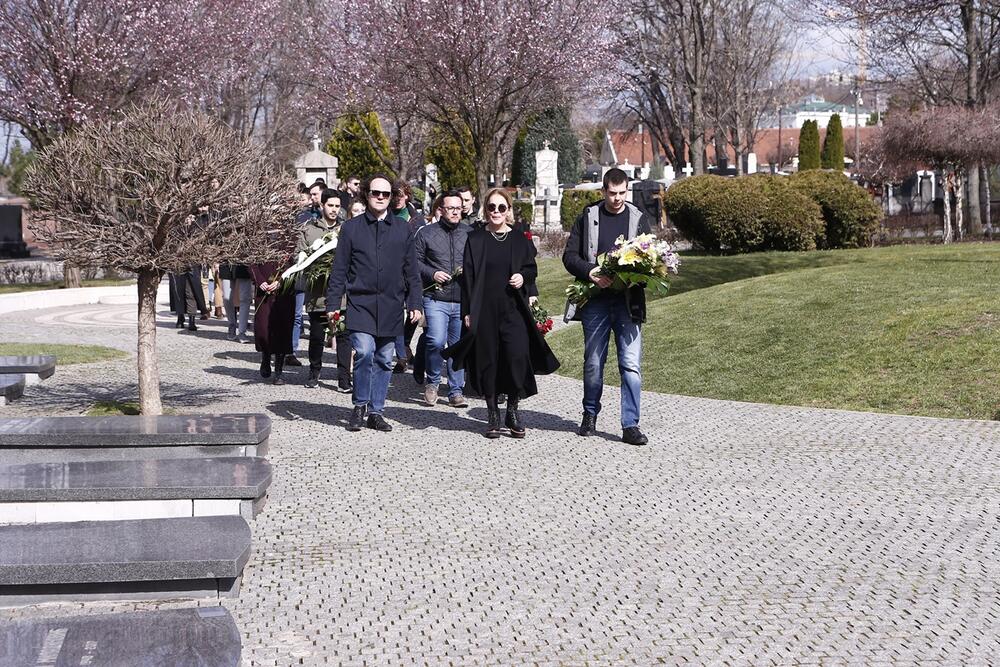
366	186
401	187
353	177
328	193
303	190
318	183
614	176
454	192
463	188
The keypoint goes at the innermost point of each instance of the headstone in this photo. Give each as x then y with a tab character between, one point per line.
432	186
751	163
668	173
316	164
35	368
201	637
11	387
109	490
12	243
546	185
688	169
149	558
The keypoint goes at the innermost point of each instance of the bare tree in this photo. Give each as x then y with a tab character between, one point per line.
128	193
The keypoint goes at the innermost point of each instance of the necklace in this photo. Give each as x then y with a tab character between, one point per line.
499	237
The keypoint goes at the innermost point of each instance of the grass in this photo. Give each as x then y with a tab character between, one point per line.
58	284
911	330
64	354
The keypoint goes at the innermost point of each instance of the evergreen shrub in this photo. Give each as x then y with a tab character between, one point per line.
573	203
850	214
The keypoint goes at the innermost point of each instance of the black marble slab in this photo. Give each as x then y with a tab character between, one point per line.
154	479
202	637
11	387
63	454
135	431
195	548
42	365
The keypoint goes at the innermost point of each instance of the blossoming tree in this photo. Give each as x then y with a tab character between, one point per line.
156	189
476	68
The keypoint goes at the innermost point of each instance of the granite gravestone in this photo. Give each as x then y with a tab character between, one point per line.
546	185
35	368
202	637
12	243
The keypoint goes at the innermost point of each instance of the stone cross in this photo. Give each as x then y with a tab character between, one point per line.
688	169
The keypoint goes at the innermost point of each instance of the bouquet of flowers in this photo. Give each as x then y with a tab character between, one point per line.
338	323
435	286
309	265
542	320
640	261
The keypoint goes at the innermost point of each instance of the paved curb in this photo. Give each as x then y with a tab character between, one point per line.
57	298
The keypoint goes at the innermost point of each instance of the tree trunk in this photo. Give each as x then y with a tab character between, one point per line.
149	367
946	199
970	28
959	208
71	276
984	198
697	137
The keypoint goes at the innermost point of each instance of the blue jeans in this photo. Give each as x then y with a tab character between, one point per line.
601	317
372	370
300	302
444	327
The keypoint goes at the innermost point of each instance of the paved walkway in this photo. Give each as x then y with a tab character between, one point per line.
745	534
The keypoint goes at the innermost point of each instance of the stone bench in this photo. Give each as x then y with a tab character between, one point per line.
56	439
123	560
11	387
34	368
151	489
201	637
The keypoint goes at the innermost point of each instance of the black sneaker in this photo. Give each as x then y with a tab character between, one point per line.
588	426
345	387
313	380
378	423
292	360
265	366
633	436
357	420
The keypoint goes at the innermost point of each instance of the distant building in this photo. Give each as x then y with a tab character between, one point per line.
816	108
630	150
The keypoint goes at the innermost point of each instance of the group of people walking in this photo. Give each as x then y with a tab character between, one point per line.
469	281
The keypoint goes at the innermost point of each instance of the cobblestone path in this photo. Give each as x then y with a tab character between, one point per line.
745	534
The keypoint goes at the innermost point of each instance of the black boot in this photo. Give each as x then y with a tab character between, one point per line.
265	365
180	321
513	420
279	365
493	418
191	325
313	380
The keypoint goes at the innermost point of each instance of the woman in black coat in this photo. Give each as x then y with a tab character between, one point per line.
501	349
273	317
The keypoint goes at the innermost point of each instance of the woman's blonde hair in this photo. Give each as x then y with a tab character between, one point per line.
500	192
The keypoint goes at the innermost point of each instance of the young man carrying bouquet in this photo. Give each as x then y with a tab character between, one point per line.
607	303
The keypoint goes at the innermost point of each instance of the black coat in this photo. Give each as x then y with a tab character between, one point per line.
380	277
543	362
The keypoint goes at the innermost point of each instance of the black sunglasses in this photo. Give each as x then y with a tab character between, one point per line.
500	208
379	194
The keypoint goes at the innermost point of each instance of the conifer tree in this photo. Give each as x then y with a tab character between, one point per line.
832	156
552	125
809	146
360	146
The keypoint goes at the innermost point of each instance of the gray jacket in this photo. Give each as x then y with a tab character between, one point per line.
440	247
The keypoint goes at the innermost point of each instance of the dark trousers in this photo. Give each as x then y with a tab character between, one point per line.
317	341
188	297
507	359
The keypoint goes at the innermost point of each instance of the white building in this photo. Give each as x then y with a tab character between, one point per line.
816	108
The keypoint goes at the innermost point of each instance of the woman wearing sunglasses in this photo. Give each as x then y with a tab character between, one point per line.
501	349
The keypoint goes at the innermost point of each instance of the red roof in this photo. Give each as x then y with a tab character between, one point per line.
632	147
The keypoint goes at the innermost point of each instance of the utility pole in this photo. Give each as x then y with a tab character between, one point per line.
779	138
857	125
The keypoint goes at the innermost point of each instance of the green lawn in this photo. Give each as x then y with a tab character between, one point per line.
33	287
64	354
907	329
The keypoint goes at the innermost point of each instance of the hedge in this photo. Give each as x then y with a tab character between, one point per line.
851	215
743	214
573	203
524	212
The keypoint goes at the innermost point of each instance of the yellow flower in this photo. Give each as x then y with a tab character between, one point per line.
629	257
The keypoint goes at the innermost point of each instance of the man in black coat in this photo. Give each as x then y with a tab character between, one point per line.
375	263
621	312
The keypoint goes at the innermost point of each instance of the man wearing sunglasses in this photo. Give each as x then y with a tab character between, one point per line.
376	265
440	251
618	312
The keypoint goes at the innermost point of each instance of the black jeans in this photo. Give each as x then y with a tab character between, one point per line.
317	341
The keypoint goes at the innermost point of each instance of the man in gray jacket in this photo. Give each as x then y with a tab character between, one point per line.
440	247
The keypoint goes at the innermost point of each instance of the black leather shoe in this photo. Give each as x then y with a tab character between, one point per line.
277	378
292	360
313	380
588	426
493	425
191	325
513	422
265	366
180	322
357	420
378	423
633	436
400	367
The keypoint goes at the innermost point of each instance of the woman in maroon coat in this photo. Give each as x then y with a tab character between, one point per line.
273	317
